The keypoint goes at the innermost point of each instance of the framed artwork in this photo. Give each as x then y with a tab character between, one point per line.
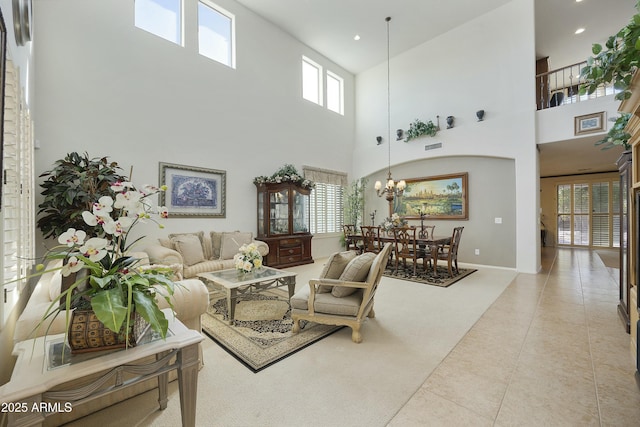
436	197
589	123
193	191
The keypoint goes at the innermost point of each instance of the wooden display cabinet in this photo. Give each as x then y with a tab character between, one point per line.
283	223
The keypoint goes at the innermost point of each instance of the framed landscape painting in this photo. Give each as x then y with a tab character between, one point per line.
437	197
193	191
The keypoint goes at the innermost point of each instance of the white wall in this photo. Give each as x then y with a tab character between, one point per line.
488	63
108	88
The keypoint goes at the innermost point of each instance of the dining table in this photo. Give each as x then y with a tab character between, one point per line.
431	243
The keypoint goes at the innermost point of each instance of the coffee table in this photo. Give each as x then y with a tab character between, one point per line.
235	283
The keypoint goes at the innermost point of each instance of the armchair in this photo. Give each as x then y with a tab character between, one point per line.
351	310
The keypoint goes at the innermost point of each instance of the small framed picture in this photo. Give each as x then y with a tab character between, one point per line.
193	191
589	123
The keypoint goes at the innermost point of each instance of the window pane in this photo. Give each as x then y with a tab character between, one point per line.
564	229
334	93
311	82
564	198
326	208
581	230
215	34
159	17
581	198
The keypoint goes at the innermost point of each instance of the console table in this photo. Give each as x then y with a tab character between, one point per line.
37	385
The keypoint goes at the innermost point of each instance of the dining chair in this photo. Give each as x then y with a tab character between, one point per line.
370	238
406	248
427	232
450	252
350	241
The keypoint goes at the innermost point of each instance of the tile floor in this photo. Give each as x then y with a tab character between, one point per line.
551	351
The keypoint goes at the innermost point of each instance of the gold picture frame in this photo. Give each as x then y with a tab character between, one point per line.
589	123
436	197
193	191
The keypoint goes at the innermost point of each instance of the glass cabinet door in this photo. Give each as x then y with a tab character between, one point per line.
261	223
300	212
279	215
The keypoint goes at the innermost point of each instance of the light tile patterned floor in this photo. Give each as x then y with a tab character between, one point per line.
551	351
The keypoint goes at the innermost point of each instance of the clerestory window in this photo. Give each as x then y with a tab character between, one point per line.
216	33
160	17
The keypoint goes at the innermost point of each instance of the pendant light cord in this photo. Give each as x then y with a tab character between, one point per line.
388	94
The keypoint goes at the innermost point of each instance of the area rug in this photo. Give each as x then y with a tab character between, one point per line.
262	334
441	279
610	257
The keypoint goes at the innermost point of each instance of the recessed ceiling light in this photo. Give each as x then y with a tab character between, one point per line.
579	30
578	1
356	37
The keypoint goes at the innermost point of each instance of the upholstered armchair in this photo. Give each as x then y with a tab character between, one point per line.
346	300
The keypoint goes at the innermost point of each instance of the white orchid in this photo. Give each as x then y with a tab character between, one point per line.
73	265
72	237
103	206
94	248
118	227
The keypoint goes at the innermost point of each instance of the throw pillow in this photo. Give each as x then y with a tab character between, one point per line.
334	267
199	234
216	241
231	243
190	247
356	271
55	285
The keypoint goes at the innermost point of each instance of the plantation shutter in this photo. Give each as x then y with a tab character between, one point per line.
326	201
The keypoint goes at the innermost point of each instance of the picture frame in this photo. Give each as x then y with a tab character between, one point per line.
589	123
436	197
193	191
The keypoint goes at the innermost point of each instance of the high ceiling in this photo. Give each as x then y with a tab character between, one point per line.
329	27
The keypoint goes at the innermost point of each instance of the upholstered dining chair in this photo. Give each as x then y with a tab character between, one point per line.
355	301
370	238
350	242
407	248
450	252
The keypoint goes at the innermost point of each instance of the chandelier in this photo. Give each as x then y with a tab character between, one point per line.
391	190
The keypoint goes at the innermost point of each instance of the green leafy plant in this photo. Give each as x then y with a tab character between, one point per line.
71	187
616	63
354	202
617	135
287	173
419	128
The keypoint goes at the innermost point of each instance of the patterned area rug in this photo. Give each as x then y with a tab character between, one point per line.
442	279
262	334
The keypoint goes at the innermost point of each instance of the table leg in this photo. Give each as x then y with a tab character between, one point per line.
231	305
163	385
188	383
291	283
434	259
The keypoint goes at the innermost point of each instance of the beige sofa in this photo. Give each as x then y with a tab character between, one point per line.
201	252
190	301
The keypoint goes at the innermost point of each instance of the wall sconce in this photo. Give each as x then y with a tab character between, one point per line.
480	115
379	139
449	122
399	134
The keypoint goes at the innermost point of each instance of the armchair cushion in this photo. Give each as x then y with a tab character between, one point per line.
356	271
334	267
190	247
231	242
326	303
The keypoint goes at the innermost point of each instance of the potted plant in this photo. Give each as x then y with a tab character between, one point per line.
419	128
616	63
109	282
70	188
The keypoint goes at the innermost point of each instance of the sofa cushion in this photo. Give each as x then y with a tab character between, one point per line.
190	247
55	286
356	271
231	242
207	266
334	267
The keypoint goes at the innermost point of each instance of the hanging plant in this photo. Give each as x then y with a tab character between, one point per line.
419	128
617	135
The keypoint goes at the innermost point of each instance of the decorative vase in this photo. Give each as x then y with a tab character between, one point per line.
87	333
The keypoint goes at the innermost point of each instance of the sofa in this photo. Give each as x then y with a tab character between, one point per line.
201	252
190	301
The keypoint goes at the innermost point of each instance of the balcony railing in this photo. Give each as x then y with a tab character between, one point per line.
561	87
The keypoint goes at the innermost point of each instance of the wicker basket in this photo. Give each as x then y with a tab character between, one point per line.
87	333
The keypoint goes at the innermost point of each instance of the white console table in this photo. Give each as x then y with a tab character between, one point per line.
38	380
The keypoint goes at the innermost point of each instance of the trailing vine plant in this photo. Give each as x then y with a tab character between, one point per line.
419	128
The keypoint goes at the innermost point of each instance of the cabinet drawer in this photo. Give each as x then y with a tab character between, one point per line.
288	251
286	259
286	243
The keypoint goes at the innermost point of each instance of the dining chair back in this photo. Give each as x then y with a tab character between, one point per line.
450	252
406	248
370	238
350	242
427	232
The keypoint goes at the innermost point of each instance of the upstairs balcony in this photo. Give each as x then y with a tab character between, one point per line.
561	87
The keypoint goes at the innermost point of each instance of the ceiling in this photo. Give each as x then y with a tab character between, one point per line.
329	27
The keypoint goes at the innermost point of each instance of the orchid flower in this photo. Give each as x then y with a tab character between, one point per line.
119	226
94	248
72	237
121	186
73	265
93	220
103	206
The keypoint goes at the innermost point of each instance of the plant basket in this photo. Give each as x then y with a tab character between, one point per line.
87	333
